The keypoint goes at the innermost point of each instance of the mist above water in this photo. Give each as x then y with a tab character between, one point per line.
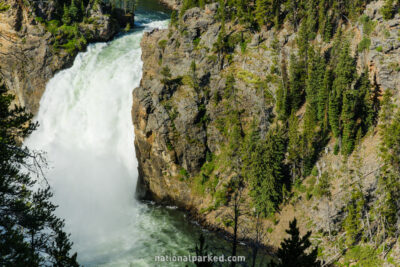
86	130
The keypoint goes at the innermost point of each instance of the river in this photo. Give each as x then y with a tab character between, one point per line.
87	133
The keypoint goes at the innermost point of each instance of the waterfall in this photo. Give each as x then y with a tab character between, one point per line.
86	131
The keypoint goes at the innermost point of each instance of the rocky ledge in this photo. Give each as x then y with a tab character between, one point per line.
180	116
28	54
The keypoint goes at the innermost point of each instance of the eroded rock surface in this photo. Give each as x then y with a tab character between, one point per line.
27	57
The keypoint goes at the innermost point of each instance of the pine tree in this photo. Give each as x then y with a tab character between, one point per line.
292	252
328	29
349	122
66	18
389	185
323	98
314	84
74	11
344	76
388	9
334	113
294	153
366	110
297	75
266	172
201	250
355	209
282	101
28	233
174	18
303	40
262	9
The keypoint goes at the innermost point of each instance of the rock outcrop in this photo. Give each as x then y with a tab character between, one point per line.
180	116
173	4
27	56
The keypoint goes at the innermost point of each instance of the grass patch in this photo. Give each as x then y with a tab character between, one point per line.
247	77
4	7
368	24
364	44
364	255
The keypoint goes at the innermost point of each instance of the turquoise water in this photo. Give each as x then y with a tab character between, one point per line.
86	130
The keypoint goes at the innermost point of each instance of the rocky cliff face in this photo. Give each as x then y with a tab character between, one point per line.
27	56
173	4
181	118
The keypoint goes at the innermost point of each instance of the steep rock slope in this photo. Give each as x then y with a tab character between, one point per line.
27	56
183	121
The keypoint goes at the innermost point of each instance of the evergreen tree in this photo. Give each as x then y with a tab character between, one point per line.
303	40
323	98
74	11
389	182
344	76
314	84
292	252
334	113
366	110
174	18
388	9
262	12
266	172
30	233
355	209
294	153
282	101
349	122
297	75
201	250
66	18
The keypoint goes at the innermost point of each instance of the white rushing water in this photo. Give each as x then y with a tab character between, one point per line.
86	130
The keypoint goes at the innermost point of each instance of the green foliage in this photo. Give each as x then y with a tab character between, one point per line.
323	98
66	18
221	197
201	250
389	184
388	9
293	250
4	7
174	18
294	157
265	171
364	255
364	44
30	233
355	210
162	44
368	25
322	188
297	82
166	73
184	173
313	16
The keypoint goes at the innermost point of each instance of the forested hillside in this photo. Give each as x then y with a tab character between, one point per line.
275	109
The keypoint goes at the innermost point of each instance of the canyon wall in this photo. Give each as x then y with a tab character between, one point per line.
181	118
28	58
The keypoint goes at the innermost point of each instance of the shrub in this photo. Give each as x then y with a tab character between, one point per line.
4	7
184	173
162	44
368	24
364	44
